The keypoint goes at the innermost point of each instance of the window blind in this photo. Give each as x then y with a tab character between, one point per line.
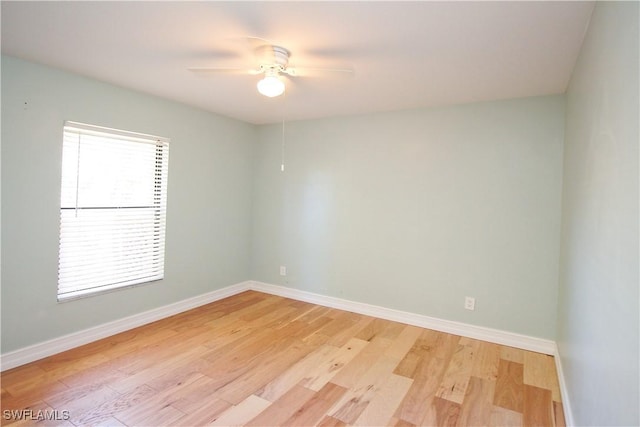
112	209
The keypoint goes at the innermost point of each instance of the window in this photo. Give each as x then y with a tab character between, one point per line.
112	209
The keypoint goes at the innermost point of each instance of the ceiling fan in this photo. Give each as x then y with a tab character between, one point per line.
272	62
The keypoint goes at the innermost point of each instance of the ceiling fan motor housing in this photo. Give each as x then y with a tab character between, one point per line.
281	56
276	59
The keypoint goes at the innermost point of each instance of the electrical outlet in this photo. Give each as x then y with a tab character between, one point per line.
283	270
470	303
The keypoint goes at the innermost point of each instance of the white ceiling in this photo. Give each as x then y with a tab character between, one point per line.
404	54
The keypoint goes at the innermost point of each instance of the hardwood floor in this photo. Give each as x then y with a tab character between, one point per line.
256	359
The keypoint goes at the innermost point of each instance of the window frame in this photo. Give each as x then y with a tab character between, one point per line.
150	217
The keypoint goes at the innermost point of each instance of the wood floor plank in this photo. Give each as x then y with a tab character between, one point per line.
138	346
280	317
379	346
178	375
241	339
408	365
314	409
158	369
404	342
309	316
341	321
539	371
207	411
329	421
283	408
148	357
352	372
130	341
380	328
221	326
403	423
333	365
558	414
501	417
538	406
236	358
509	392
360	394
63	398
81	358
110	422
49	379
475	409
163	416
19	374
262	372
259	313
456	378
263	359
289	313
486	361
316	339
345	335
106	404
385	401
436	351
512	354
240	414
146	408
81	409
238	306
423	344
184	325
193	395
292	376
443	413
392	330
96	376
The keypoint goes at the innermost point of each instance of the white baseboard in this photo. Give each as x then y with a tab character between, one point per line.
564	392
48	348
67	342
496	336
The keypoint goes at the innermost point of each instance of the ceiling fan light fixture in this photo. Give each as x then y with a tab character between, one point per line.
271	86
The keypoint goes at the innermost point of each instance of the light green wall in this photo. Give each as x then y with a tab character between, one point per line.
209	202
415	210
598	299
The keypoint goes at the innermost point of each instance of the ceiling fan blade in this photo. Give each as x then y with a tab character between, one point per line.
318	71
223	70
256	42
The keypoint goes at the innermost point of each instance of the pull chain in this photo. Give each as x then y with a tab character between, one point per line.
282	149
284	113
